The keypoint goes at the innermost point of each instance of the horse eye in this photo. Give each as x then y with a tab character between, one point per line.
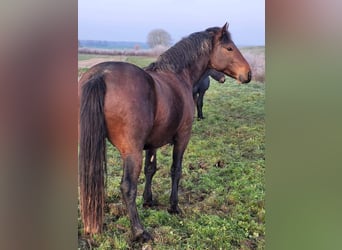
230	49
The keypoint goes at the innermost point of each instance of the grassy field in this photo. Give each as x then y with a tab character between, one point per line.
222	188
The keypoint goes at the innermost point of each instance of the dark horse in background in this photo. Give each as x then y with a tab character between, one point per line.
143	109
202	86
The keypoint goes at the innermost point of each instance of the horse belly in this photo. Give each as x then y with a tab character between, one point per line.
158	138
168	127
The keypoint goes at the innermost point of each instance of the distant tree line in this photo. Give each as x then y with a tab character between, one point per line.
111	44
126	52
158	40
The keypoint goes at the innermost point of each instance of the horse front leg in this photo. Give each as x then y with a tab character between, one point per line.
131	171
176	172
150	170
200	105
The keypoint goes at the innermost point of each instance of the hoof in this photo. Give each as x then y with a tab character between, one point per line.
142	237
200	118
174	210
150	204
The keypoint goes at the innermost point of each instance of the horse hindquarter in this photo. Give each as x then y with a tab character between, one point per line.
129	112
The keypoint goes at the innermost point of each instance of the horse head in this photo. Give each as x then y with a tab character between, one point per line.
226	57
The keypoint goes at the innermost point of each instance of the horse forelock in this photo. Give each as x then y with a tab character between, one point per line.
184	53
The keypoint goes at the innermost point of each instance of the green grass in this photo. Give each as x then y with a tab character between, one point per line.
222	189
141	61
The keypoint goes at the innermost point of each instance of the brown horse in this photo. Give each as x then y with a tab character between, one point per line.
143	109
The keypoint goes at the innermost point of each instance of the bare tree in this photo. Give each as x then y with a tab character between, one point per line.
158	37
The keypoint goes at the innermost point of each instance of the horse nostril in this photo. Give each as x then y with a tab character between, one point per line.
246	78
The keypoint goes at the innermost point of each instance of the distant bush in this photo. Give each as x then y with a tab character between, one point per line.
256	60
159	37
114	52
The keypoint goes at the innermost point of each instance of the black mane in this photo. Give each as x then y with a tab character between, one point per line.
186	51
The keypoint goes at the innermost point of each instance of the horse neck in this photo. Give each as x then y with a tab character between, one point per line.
197	71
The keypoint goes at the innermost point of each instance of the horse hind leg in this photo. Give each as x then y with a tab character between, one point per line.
150	170
176	172
131	171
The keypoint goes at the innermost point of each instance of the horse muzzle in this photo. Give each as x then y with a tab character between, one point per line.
222	79
245	78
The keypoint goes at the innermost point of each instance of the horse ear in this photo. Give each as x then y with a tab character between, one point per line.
224	28
224	31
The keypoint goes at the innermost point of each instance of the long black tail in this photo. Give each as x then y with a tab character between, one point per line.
92	154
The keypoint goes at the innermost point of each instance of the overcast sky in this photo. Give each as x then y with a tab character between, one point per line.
132	20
